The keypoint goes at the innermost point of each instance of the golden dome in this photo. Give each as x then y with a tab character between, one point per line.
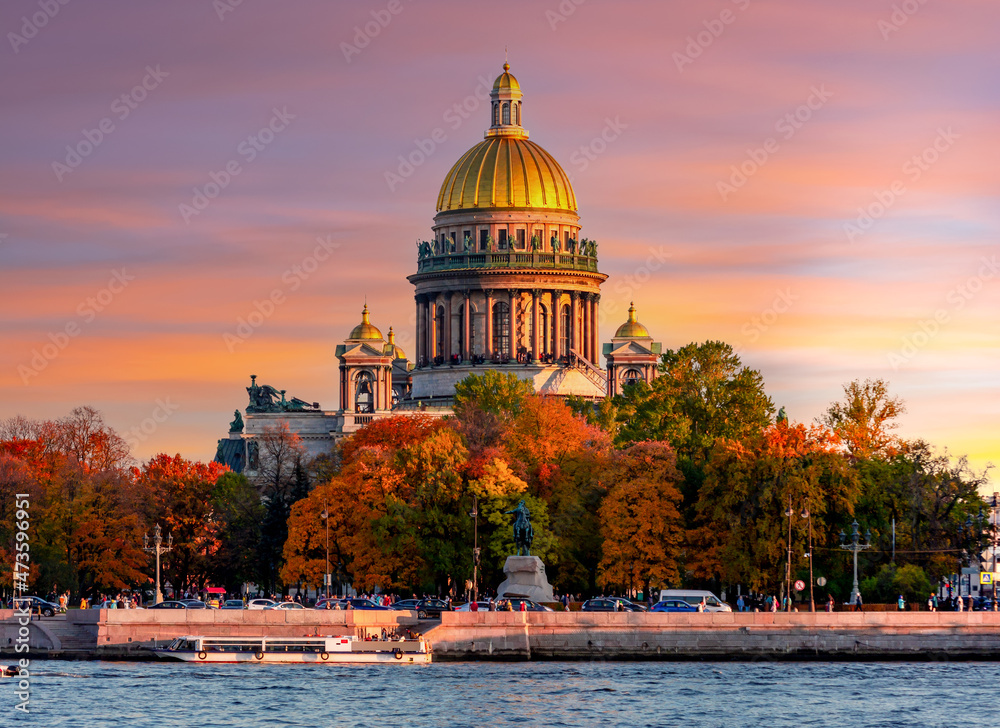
365	330
391	349
505	81
506	171
632	329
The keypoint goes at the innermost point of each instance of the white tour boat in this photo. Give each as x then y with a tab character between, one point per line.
342	649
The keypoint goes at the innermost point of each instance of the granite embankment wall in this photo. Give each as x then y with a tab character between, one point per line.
721	636
116	634
123	633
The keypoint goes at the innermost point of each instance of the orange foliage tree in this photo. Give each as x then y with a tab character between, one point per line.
640	519
742	530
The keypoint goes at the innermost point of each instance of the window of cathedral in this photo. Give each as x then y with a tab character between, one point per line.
564	332
454	242
484	240
521	238
502	239
506	113
496	114
501	327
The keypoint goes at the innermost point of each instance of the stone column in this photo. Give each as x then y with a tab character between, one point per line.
556	324
431	330
447	328
594	299
584	310
574	323
420	329
488	344
467	321
512	341
343	387
535	338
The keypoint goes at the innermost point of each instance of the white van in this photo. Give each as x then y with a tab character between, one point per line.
694	597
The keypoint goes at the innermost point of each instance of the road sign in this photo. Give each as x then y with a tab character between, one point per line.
821	581
986	578
800	585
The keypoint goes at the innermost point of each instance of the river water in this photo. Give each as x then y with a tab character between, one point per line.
770	694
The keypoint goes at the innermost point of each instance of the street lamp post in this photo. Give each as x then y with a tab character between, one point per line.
855	546
326	575
812	599
157	548
994	505
788	561
475	548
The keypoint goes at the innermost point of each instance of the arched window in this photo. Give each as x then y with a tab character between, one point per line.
543	341
364	387
501	328
564	332
496	114
506	113
631	376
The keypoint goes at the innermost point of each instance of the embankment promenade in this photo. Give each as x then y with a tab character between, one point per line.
127	634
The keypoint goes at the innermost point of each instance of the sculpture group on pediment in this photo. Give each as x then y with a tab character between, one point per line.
265	398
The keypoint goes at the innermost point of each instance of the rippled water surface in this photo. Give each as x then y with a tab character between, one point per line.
136	695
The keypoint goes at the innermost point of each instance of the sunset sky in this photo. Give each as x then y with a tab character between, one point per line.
813	182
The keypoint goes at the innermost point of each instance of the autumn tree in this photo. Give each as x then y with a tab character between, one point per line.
740	534
239	513
181	499
282	480
865	418
640	521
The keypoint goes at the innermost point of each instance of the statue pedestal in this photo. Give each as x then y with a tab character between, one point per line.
525	578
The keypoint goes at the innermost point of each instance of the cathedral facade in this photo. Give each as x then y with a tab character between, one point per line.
507	282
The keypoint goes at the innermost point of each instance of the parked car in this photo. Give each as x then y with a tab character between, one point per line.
194	604
331	603
404	604
515	603
106	604
169	605
432	608
233	604
611	604
260	603
694	597
481	606
35	604
673	605
286	606
358	603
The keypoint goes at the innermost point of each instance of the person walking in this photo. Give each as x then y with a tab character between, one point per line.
859	605
829	603
900	604
740	606
930	604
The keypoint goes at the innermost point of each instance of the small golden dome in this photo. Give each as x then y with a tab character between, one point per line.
632	329
391	349
506	81
365	330
504	171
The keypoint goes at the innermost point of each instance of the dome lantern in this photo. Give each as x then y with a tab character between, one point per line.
632	329
505	107
365	331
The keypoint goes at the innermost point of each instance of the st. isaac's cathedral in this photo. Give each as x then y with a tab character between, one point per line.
506	283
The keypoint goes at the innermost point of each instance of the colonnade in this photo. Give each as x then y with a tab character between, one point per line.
527	338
